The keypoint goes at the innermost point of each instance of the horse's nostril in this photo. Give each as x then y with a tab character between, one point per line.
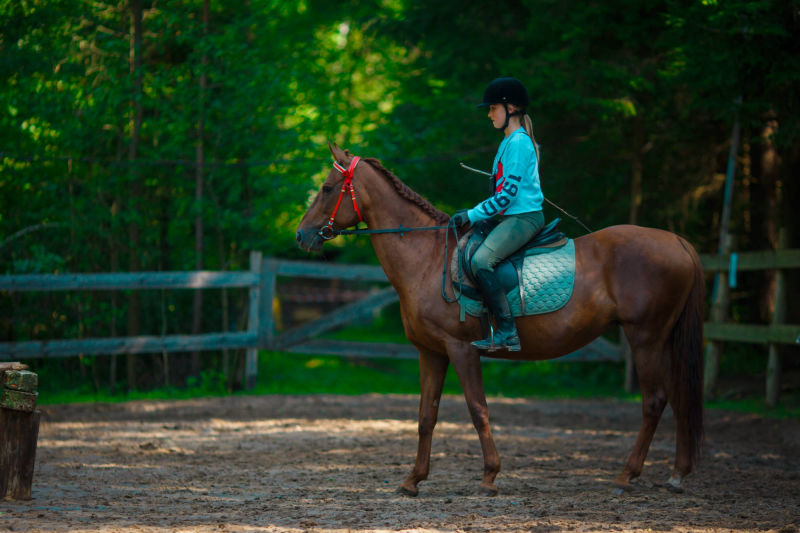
299	236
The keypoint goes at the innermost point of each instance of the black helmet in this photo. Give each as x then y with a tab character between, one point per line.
505	91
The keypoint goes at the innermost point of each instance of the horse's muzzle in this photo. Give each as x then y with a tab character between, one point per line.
309	240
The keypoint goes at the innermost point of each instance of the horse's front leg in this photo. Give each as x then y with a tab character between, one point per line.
432	371
467	364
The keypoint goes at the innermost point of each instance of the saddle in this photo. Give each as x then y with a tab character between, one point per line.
535	279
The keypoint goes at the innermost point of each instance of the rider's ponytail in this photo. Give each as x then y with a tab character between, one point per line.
527	123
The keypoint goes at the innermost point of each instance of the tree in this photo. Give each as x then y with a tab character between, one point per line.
180	135
740	59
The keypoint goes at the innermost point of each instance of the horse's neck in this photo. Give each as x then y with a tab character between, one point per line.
405	257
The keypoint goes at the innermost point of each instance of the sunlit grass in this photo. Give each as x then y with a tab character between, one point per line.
288	373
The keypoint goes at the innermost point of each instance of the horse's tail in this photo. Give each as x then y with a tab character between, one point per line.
687	359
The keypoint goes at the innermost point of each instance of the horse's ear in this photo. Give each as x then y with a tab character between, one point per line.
337	152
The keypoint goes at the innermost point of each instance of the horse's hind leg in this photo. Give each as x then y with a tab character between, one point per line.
683	461
652	380
683	450
432	371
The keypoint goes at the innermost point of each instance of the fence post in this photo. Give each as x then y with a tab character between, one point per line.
19	430
719	311
778	316
251	357
266	320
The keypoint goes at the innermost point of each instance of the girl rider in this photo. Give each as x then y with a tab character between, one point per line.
517	200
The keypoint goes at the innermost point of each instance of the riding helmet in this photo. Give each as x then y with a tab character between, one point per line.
505	90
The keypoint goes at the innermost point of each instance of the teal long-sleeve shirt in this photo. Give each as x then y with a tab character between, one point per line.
518	189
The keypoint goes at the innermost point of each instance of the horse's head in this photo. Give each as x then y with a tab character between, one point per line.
335	205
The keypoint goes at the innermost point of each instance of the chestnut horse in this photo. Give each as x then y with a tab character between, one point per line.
648	281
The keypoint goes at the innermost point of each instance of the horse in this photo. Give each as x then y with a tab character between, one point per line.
648	281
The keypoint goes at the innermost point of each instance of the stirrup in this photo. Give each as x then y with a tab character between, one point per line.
506	340
514	345
485	344
502	343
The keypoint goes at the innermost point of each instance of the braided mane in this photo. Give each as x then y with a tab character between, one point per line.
406	192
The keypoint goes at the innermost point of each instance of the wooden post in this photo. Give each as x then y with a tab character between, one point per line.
19	431
251	357
719	307
266	319
719	312
778	316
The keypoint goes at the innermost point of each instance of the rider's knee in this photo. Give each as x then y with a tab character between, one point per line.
484	259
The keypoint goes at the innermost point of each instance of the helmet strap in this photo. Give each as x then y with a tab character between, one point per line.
509	115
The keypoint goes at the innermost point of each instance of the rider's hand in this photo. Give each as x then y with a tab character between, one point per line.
460	217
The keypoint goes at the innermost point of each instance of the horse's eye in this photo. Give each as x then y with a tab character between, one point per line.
326	189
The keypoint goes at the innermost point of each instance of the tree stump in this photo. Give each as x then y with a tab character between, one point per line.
19	430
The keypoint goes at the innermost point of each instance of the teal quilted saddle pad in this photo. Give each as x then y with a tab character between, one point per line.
546	282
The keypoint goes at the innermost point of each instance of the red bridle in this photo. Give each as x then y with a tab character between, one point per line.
327	231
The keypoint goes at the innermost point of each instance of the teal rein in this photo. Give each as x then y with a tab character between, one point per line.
401	230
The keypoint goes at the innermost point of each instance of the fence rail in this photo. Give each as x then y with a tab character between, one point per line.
764	260
261	281
128	280
127	345
719	329
249	340
754	334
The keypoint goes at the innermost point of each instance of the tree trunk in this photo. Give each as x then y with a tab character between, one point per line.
114	253
135	190
163	264
788	201
73	247
637	173
765	170
197	321
636	170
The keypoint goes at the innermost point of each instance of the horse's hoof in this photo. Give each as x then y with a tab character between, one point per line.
487	489
622	488
408	491
674	485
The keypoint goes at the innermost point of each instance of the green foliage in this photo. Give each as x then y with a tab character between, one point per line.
211	383
100	159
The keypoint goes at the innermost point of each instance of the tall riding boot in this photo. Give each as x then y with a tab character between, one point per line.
505	337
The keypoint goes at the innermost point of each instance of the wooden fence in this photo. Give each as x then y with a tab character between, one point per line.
261	280
248	339
719	329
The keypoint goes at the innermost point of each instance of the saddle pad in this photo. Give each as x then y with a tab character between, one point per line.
547	282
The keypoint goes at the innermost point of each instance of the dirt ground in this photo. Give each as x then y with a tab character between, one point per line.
333	463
